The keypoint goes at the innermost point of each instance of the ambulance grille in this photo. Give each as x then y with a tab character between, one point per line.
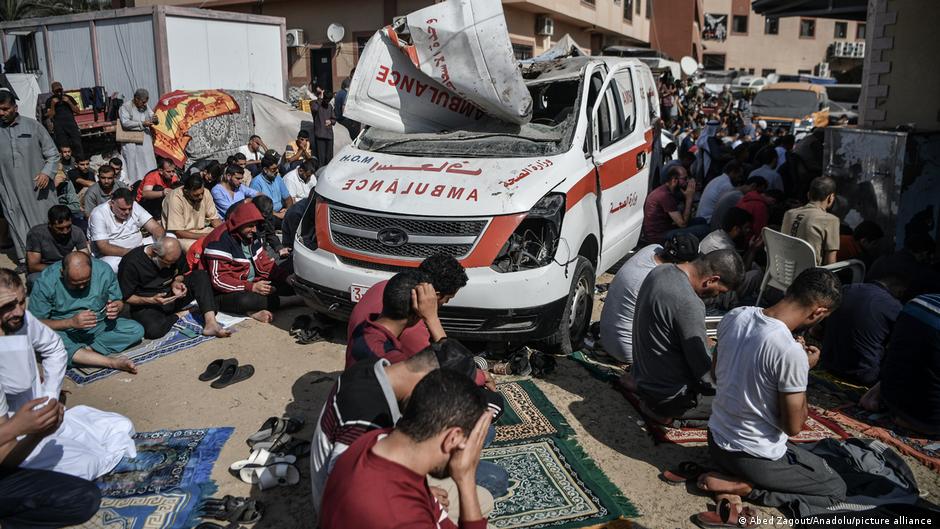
417	237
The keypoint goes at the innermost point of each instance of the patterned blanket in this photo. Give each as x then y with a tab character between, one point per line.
553	483
178	111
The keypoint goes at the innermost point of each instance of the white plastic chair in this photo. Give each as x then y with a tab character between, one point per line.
788	256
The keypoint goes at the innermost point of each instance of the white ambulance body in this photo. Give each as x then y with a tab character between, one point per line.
534	213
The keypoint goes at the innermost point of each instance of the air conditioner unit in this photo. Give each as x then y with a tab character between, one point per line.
859	50
838	49
295	38
822	69
544	26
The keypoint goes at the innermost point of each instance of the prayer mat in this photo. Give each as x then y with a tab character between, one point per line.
173	509
880	426
552	483
166	459
186	333
695	432
528	414
836	386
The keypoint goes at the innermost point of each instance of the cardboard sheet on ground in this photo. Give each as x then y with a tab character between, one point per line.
458	73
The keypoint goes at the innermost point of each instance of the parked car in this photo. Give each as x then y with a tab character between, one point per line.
534	212
797	107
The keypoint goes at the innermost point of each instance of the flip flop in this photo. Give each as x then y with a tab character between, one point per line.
686	471
215	368
232	374
727	514
267	470
273	427
274	444
233	509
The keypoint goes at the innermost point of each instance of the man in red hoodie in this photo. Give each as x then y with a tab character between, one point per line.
245	279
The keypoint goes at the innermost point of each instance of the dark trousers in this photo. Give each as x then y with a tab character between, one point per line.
324	148
41	498
250	302
157	320
686	405
67	133
154	206
798	475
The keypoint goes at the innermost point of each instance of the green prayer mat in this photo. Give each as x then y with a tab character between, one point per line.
553	483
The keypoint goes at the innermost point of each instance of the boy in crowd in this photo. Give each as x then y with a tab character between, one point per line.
813	223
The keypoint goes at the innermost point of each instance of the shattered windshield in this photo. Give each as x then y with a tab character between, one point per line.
784	103
554	118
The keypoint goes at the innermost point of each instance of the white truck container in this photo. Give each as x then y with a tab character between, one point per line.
533	212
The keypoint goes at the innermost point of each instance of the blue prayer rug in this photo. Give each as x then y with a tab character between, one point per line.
186	333
173	509
166	459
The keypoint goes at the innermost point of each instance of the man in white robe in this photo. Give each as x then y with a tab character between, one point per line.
90	442
139	159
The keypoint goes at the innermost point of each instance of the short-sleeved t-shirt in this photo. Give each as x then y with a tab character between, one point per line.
139	275
716	240
274	189
656	220
154	178
710	195
620	306
50	248
102	226
758	359
179	213
815	226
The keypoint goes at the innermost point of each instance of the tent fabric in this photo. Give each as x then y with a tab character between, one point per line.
26	86
176	114
220	136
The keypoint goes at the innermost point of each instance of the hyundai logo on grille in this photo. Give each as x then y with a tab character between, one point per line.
393	237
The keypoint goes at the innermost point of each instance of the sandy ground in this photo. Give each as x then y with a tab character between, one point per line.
166	394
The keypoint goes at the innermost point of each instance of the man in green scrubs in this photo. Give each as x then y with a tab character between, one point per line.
80	299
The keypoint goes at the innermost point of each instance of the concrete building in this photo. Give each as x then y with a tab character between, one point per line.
677	28
533	26
737	38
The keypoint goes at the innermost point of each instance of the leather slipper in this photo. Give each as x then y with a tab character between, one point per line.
215	368
232	374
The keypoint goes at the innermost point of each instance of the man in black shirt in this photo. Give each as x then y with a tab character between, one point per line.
81	175
49	243
157	283
61	109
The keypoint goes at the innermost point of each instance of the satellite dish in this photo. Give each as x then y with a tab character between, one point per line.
689	66
335	32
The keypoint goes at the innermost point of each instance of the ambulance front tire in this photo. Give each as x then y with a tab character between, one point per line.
576	317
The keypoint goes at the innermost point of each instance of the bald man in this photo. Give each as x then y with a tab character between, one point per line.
157	283
80	299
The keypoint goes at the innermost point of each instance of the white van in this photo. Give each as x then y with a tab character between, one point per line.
534	213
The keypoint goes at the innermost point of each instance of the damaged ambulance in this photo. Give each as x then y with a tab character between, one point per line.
535	204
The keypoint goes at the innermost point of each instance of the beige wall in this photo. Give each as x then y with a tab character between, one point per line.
785	52
676	28
364	17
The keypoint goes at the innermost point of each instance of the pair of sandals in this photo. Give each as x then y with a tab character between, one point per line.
307	330
726	513
226	372
274	454
232	509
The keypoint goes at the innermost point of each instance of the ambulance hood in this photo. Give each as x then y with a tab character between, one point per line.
439	187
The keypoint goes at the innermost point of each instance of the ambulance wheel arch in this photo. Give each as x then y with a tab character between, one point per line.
579	306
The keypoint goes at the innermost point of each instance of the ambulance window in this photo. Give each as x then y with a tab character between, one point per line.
605	119
624	82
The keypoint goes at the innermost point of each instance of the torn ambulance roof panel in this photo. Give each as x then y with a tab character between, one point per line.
565	47
458	73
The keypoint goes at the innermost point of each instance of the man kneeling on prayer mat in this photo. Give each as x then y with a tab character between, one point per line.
80	299
761	372
380	481
157	283
90	442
